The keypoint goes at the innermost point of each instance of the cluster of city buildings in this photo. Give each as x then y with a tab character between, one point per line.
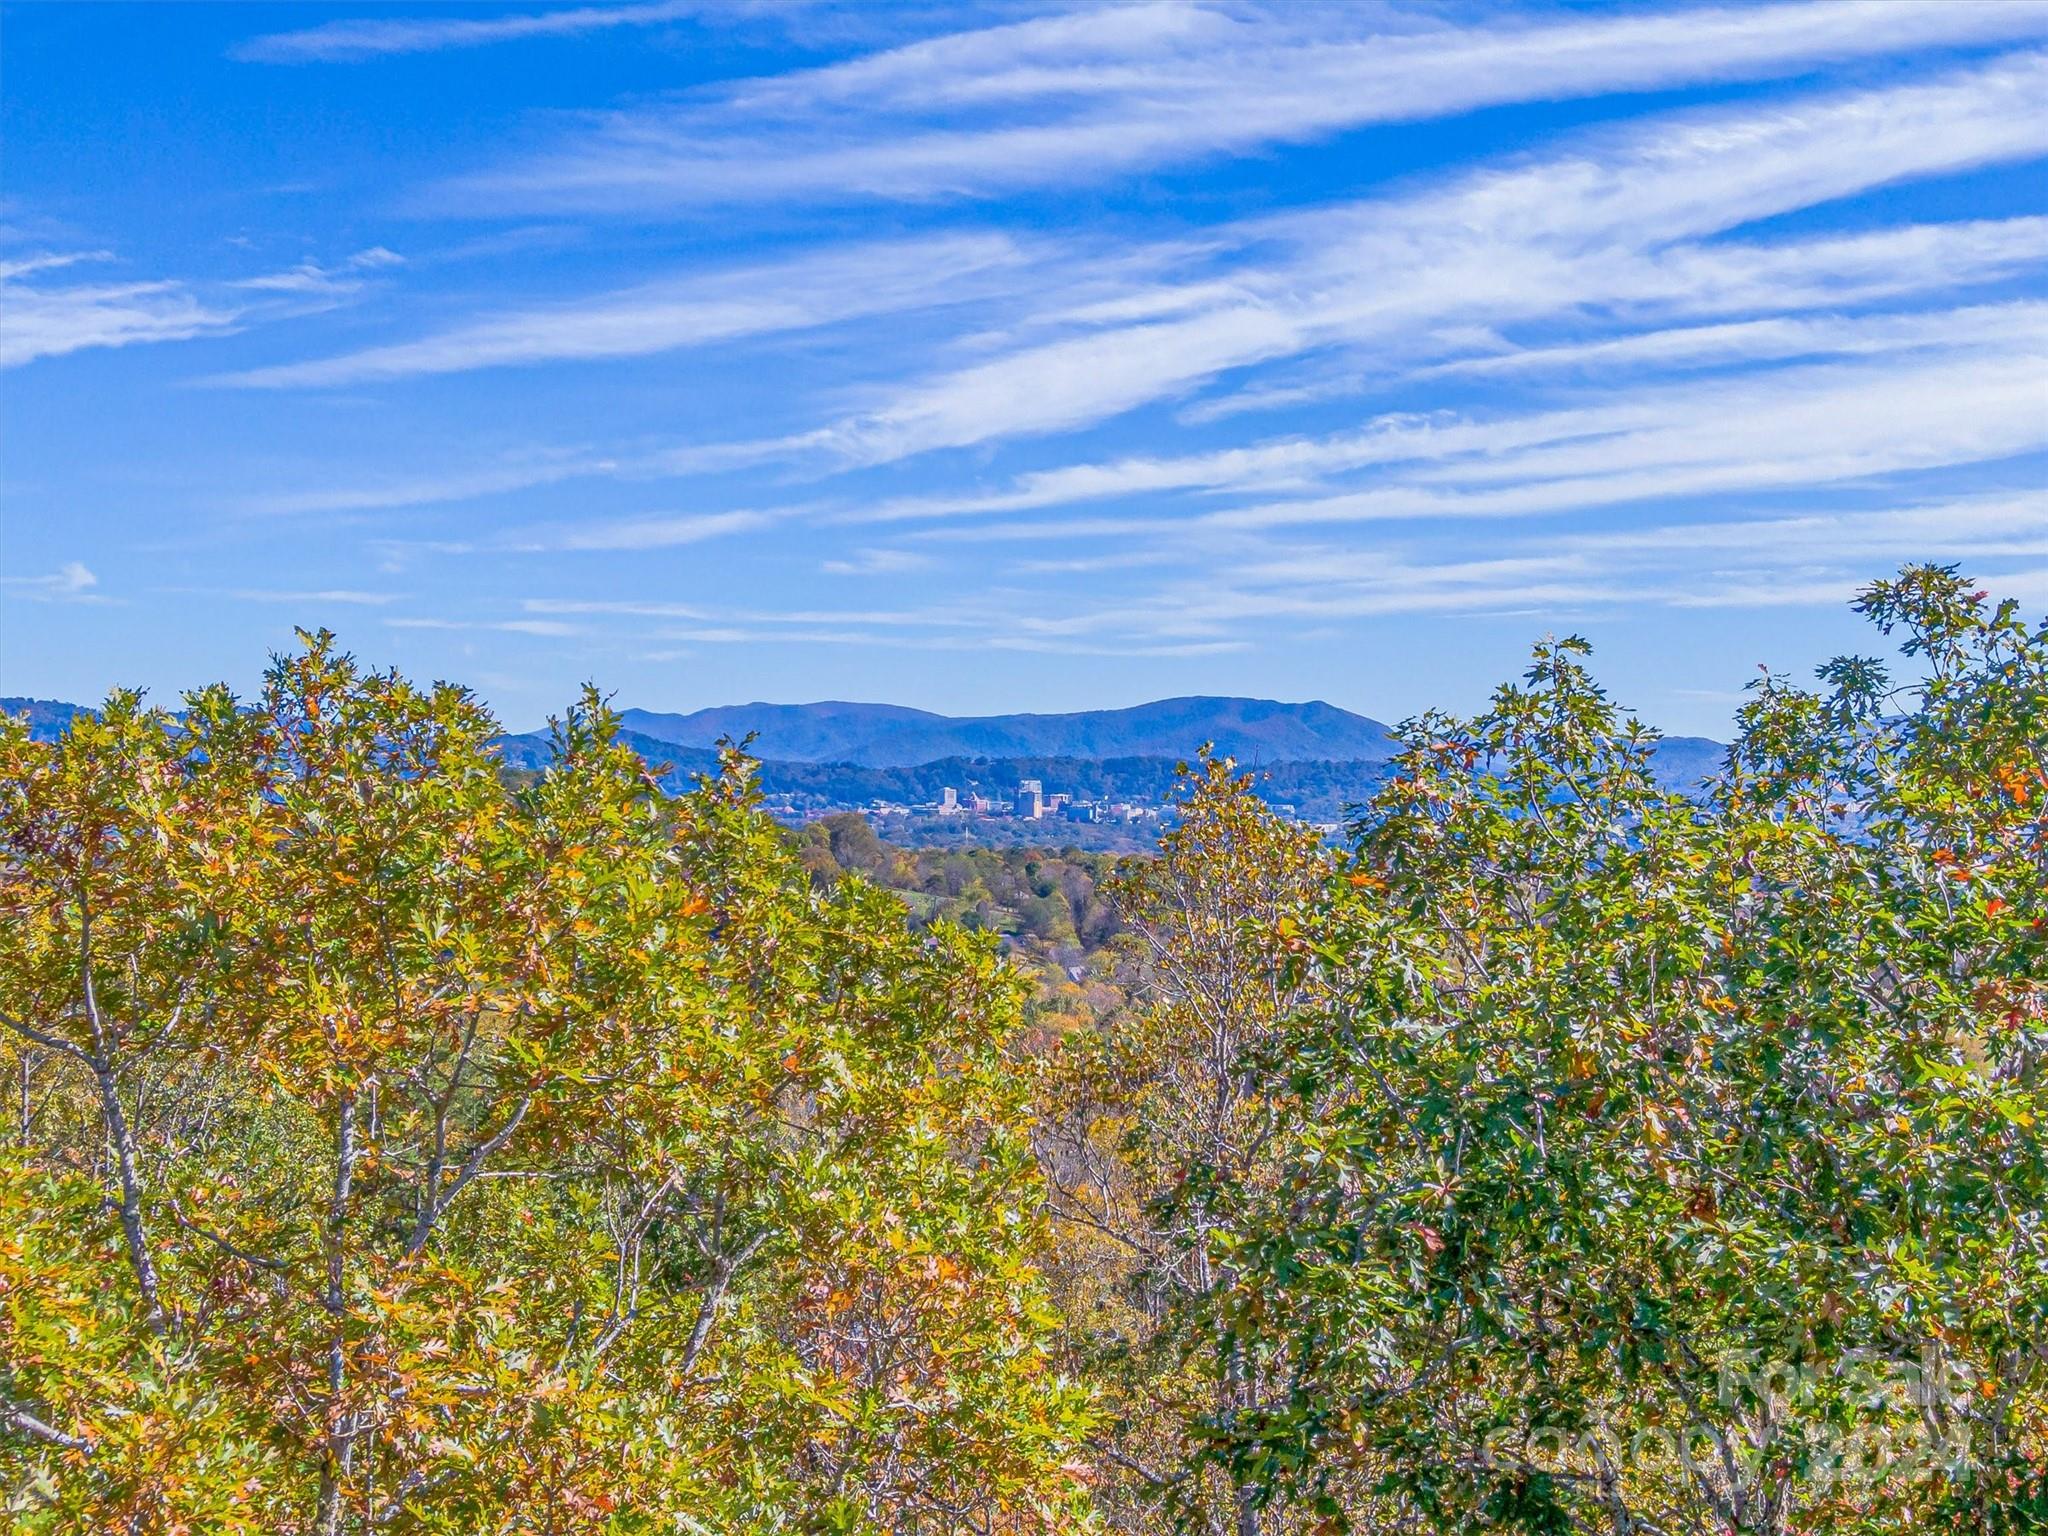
1032	803
1029	802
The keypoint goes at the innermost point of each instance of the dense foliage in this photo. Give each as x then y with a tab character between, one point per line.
1660	1165
401	1144
398	1152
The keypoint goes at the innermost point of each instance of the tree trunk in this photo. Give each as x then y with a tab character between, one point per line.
339	1448
133	1229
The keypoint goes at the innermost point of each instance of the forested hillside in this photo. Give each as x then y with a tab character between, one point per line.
1321	785
399	1144
1313	791
890	736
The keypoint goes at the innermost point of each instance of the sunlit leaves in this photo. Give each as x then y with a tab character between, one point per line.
1644	1135
549	1159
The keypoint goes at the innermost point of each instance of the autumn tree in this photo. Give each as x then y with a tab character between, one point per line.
397	1149
1674	1164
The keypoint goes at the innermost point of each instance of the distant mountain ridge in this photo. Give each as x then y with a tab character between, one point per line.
1257	732
892	736
47	718
534	751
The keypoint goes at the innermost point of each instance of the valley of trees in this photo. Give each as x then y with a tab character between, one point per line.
398	1144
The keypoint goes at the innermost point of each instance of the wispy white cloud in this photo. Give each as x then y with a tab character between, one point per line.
879	562
544	628
1972	393
757	300
943	626
1181	551
71	582
22	266
351	40
516	472
313	280
1761	341
1086	95
1121	648
1674	562
39	319
1990	526
613	607
1627	224
1616	346
1831	274
643	533
1801	426
1806	560
1236	590
768	634
321	597
937	617
1810	430
1629	228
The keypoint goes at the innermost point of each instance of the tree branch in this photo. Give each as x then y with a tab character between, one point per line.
17	1418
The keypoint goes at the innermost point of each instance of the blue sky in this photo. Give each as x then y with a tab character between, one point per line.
1012	358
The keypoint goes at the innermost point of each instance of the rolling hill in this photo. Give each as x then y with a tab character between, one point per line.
678	765
890	736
